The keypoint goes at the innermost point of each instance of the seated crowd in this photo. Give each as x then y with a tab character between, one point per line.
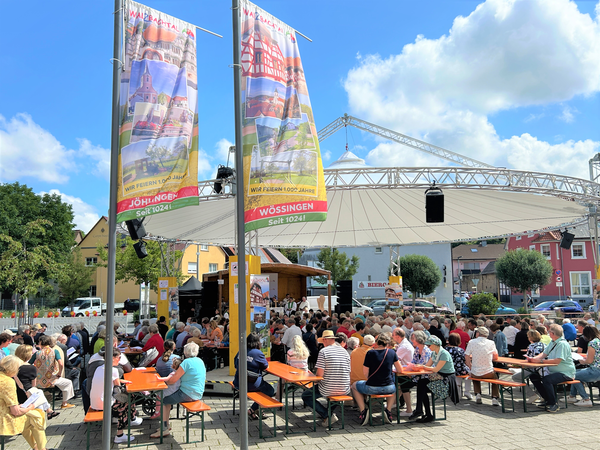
356	354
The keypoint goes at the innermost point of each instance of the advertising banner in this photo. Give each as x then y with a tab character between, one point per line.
393	293
260	311
158	115
283	171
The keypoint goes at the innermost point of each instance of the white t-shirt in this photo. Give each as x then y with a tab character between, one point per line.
481	351
97	391
511	334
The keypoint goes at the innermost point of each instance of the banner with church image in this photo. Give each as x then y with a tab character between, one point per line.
158	135
283	170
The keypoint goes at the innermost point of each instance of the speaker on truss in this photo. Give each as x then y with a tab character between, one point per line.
136	229
566	240
344	294
434	205
140	249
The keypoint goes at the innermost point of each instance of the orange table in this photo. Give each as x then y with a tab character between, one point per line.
524	365
400	382
144	380
288	374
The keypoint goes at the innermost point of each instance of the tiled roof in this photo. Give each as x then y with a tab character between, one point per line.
478	252
548	237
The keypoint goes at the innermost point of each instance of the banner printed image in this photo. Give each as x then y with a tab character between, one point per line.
158	114
282	160
260	313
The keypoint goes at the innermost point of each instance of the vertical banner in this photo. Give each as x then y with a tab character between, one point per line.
393	292
168	299
283	171
158	135
260	312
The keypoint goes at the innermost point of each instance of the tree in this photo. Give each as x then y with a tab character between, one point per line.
291	253
19	206
340	266
524	270
303	134
300	162
420	275
129	267
483	303
75	278
162	98
155	152
26	268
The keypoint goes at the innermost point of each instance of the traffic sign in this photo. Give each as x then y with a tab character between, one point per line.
557	272
559	279
559	284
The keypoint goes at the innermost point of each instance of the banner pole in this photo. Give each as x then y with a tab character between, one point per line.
112	227
241	241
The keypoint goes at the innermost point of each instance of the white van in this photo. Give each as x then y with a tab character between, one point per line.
83	304
357	307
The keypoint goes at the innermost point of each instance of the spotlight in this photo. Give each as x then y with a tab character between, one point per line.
223	172
566	240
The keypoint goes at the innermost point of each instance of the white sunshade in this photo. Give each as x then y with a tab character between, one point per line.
373	217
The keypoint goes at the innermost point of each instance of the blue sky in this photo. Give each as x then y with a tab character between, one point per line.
510	82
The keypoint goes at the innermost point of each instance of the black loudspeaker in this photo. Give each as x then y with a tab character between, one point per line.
434	205
566	240
344	294
136	229
140	249
210	299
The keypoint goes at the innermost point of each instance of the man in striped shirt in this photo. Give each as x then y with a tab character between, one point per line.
333	364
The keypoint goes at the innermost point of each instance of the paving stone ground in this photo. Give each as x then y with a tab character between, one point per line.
469	426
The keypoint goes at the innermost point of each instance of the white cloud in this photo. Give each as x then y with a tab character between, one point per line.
86	215
532	117
326	155
568	114
506	54
100	155
208	162
29	151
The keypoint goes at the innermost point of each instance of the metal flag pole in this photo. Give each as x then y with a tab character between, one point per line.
112	226
241	241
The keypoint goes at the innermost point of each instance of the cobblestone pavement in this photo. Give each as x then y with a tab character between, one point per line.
469	426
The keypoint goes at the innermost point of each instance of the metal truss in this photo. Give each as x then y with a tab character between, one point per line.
399	138
394	258
569	188
595	168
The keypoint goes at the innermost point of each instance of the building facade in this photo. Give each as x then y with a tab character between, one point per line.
574	268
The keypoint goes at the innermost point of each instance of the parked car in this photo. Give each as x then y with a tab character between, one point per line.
89	304
357	307
503	310
131	305
379	306
566	306
424	305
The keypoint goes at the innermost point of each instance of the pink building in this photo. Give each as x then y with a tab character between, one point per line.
573	268
473	268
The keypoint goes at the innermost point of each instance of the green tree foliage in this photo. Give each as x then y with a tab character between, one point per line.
420	275
19	206
24	267
524	270
156	152
483	303
340	266
291	253
129	267
75	278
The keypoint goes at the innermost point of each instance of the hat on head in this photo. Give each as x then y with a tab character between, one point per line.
9	332
327	334
483	331
433	340
369	340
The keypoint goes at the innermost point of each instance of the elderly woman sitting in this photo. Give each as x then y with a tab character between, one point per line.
14	418
49	367
155	341
192	374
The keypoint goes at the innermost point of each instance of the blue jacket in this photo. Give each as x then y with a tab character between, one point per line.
569	331
501	344
256	363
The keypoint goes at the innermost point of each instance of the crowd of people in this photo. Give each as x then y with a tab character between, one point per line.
355	354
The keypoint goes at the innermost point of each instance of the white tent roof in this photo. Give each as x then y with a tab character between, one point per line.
384	216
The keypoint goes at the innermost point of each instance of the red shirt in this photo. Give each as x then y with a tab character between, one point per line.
464	338
345	330
156	342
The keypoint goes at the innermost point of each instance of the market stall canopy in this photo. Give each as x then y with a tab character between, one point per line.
386	206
